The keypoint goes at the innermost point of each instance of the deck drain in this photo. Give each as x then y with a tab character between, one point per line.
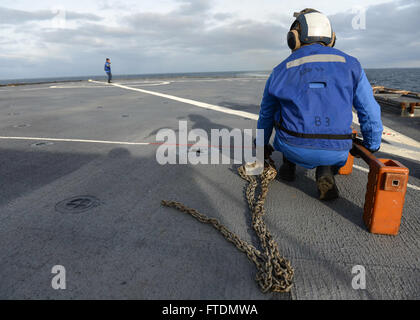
125	116
22	125
42	143
192	150
198	151
77	204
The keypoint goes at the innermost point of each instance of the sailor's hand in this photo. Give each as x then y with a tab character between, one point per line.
268	151
373	150
354	153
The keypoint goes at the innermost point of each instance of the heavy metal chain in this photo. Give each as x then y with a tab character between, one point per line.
274	272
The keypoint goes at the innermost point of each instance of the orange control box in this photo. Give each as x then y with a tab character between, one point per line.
385	194
348	167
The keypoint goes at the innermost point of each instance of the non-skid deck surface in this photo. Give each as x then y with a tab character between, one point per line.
129	246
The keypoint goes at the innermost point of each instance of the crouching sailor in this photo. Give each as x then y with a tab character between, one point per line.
308	99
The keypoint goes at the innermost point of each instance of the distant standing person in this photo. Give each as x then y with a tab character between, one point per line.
108	69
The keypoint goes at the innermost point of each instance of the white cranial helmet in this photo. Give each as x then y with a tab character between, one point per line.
310	26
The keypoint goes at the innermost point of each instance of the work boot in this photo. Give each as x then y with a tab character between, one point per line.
287	171
326	183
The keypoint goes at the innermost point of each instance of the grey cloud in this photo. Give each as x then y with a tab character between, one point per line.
390	37
223	16
154	23
195	38
190	7
12	16
196	33
71	15
86	33
242	35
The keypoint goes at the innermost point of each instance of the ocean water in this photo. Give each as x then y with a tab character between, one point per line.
228	74
404	79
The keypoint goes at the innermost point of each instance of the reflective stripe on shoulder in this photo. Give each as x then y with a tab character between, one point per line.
316	58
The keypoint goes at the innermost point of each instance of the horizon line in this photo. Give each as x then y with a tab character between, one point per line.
82	77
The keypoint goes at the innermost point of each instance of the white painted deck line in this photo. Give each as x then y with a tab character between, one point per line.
199	104
394	137
76	140
135	144
411	186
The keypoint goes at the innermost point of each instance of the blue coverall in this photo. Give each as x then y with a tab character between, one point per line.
368	112
107	69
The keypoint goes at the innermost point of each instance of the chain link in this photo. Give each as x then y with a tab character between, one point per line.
274	272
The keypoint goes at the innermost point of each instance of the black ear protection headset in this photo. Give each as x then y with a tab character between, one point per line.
298	34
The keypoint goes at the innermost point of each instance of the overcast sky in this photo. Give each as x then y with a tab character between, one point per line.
49	38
